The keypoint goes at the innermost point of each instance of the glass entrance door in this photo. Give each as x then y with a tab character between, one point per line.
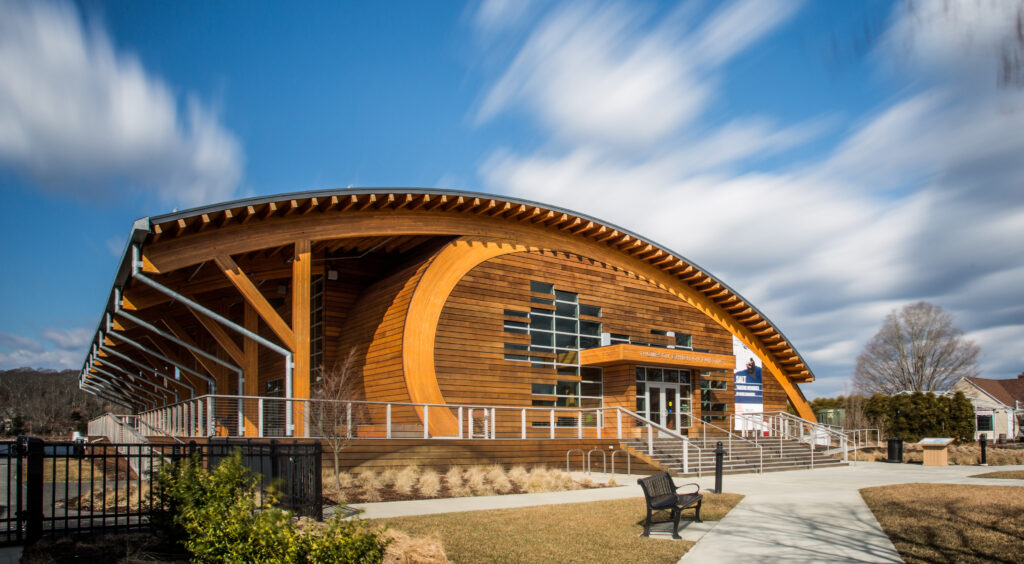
664	405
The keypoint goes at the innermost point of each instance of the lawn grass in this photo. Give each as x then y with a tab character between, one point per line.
599	531
951	523
1007	474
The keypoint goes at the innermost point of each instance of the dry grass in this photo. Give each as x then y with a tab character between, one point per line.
408	550
960	455
944	523
605	531
370	484
406	480
429	484
124	499
1006	474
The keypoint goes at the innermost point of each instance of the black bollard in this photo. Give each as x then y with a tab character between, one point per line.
719	454
983	440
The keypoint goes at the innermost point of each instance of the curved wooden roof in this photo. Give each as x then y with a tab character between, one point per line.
164	228
402	217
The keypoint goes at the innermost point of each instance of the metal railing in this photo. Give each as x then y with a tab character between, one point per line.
647	430
264	417
779	425
730	435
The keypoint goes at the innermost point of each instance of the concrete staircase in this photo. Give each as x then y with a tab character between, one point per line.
742	457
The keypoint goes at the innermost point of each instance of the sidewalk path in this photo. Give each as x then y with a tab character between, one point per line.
817	515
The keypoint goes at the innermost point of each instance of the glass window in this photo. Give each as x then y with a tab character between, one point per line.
654	375
543	403
984	423
684	340
590	389
565	341
545	301
589	342
568	401
714	385
566	325
592	328
516	327
516	357
684	377
659	332
589	403
516	347
617	338
671	375
514	313
568	371
535	348
591	374
568	357
540	338
565	310
567	388
540	322
640	373
541	287
565	296
592	311
543	389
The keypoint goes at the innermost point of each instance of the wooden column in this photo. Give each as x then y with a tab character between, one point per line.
251	366
301	280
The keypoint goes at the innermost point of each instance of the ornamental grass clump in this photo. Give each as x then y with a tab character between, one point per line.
216	517
405	480
456	487
476	479
499	481
371	484
429	484
519	476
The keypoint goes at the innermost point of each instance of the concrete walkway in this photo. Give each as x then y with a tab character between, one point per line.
817	515
794	516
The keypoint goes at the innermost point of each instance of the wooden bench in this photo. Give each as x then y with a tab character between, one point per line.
660	494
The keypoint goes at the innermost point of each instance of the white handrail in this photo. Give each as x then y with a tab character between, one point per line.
705	424
649	425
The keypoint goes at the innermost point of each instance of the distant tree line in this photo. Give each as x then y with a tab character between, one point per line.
46	403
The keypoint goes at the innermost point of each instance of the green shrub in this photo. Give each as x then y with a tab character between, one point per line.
216	517
912	417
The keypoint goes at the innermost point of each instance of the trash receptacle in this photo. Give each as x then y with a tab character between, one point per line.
895	450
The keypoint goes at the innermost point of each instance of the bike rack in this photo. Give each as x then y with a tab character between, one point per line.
604	460
629	470
570	451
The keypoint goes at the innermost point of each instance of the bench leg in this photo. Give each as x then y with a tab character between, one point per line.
698	511
647	524
676	512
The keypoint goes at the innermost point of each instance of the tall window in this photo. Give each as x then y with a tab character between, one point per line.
316	327
984	423
559	328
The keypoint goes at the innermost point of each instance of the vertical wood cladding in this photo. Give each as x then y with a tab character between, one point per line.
469	350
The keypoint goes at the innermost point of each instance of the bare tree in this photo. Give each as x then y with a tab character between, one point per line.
336	418
917	349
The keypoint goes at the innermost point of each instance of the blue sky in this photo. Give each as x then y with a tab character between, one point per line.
832	161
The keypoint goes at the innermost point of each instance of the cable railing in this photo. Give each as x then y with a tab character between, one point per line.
264	417
779	425
730	435
647	430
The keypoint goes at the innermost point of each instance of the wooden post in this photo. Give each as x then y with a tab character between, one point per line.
251	367
301	280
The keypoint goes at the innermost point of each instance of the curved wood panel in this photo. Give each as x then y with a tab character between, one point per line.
453	262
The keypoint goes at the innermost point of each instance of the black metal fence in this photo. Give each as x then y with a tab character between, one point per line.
63	488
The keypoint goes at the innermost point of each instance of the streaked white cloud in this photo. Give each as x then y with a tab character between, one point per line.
79	117
65	349
921	200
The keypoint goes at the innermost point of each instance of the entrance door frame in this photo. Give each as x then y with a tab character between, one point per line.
663	393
